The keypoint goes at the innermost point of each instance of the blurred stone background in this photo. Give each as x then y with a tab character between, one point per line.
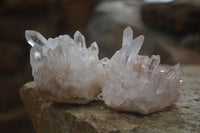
171	29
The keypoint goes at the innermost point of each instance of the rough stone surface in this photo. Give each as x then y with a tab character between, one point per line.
95	117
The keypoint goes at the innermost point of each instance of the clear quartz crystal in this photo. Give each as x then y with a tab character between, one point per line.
64	69
133	82
35	38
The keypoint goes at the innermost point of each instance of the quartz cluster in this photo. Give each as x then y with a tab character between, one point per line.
66	71
133	82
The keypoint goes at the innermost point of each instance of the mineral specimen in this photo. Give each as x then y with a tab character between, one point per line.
64	69
135	83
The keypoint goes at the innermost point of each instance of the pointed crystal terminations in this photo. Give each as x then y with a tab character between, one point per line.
35	38
64	69
134	83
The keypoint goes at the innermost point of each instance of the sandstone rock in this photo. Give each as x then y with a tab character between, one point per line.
95	117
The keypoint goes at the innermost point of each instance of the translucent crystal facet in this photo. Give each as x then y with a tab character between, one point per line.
64	69
35	38
127	36
133	82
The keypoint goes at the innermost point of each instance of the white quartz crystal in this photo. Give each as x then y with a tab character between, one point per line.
64	69
133	82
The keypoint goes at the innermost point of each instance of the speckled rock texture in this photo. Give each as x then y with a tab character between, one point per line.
95	117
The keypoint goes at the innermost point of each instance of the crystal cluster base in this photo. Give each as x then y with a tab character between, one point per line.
64	69
132	82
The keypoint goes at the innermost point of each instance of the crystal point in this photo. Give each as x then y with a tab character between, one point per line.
79	39
127	36
35	38
94	48
154	62
137	44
